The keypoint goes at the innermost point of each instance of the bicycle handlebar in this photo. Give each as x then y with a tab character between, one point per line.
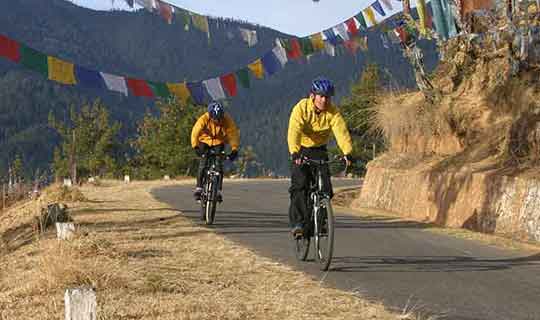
323	162
221	154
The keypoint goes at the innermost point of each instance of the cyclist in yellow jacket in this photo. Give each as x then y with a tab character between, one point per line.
213	130
311	124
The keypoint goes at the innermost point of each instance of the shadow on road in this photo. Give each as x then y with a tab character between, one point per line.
428	263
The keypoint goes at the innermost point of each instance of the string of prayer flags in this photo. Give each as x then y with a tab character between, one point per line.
328	41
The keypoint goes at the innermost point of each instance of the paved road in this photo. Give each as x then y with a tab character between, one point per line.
393	262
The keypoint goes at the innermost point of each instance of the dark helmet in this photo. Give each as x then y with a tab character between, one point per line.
322	86
216	111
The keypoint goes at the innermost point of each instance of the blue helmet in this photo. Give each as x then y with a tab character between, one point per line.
216	111
322	86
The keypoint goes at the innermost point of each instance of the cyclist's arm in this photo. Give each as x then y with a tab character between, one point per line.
294	135
196	131
233	134
340	131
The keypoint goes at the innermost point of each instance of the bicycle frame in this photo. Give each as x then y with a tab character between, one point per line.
211	185
317	200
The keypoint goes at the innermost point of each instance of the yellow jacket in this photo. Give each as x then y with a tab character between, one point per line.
309	129
213	133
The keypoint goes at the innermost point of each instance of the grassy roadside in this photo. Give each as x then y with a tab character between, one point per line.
146	261
344	197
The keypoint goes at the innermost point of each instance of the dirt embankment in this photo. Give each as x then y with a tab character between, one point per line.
470	157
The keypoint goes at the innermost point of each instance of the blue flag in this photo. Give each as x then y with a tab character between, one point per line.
270	63
197	91
377	6
89	78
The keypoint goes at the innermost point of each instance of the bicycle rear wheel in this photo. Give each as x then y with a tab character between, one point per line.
211	201
324	234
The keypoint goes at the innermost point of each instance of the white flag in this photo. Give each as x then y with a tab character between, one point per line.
115	83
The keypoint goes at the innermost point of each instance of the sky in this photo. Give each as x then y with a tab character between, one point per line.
296	17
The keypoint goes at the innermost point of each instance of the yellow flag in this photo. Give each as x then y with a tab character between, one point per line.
370	15
201	23
317	41
257	68
61	71
180	90
421	7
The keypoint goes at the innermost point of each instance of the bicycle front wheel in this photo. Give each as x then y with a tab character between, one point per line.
324	234
211	201
302	247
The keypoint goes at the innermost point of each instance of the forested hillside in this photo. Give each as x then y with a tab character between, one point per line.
140	44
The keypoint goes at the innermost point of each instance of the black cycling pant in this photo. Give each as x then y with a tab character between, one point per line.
301	175
204	163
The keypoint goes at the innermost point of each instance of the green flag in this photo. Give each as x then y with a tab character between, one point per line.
362	21
35	60
243	77
306	46
159	89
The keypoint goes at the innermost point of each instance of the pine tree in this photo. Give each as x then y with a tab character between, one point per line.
163	143
88	143
357	109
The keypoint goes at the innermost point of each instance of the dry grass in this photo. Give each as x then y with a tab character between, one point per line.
148	262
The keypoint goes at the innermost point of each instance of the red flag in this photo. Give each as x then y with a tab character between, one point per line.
352	46
166	11
293	50
351	26
139	88
229	83
9	49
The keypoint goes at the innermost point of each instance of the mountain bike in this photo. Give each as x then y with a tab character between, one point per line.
212	180
320	224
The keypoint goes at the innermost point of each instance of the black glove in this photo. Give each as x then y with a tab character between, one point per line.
233	155
198	151
295	156
348	158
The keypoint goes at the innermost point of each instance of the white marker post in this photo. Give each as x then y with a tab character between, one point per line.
80	304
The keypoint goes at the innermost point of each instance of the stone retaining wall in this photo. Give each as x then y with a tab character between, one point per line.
483	202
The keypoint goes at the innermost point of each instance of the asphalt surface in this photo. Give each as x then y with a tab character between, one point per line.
396	263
